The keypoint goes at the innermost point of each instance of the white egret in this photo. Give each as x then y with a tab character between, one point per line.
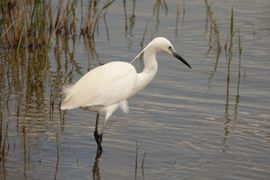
107	87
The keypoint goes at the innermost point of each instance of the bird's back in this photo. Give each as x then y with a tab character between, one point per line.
103	86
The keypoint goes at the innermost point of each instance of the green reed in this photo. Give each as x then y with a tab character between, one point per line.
213	36
237	97
229	60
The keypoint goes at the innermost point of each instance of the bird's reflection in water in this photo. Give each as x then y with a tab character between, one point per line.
95	169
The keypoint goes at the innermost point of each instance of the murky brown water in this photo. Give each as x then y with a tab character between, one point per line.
192	124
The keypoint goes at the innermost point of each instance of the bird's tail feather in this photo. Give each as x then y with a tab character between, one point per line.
67	102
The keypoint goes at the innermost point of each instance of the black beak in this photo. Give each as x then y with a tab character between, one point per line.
181	59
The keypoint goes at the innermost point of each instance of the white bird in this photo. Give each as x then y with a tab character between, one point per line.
106	88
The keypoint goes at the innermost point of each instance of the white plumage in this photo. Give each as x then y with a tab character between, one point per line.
107	87
103	86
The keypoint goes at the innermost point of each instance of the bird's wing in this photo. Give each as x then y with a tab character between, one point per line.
102	86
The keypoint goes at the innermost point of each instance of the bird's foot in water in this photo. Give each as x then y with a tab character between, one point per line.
99	152
98	138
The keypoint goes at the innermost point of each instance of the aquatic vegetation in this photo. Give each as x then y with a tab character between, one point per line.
159	5
213	36
4	144
212	33
184	134
32	24
138	147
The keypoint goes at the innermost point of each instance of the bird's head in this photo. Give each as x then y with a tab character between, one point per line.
164	45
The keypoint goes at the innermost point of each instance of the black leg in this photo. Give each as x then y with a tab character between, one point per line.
98	138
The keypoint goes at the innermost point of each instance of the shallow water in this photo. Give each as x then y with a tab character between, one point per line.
186	121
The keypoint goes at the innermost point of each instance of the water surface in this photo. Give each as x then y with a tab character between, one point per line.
186	121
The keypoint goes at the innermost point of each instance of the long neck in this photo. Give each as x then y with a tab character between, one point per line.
149	71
